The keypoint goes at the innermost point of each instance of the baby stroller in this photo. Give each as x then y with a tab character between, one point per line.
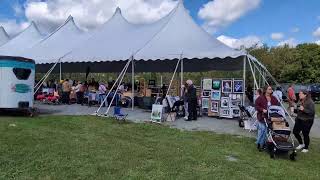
279	137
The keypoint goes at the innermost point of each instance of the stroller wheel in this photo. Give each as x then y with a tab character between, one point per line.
273	153
293	156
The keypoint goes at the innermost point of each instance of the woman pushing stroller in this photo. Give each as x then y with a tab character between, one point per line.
262	103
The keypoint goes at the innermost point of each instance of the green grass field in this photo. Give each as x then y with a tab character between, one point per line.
318	110
63	147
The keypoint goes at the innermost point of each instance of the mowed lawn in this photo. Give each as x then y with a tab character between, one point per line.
65	147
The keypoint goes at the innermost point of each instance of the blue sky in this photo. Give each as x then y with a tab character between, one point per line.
270	16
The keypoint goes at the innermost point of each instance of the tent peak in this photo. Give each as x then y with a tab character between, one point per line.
118	10
70	18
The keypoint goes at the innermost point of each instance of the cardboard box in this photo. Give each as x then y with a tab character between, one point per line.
279	125
276	119
171	117
148	93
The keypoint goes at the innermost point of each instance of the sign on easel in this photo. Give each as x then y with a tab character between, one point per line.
156	114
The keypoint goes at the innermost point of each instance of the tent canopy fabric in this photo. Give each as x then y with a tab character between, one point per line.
4	37
116	40
169	38
26	39
57	44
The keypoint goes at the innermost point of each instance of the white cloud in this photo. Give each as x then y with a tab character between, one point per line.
291	42
295	29
316	33
277	36
318	42
221	13
92	13
245	42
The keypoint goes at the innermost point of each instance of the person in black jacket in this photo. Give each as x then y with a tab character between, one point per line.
191	96
304	120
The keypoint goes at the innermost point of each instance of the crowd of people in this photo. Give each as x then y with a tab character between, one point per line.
304	110
70	91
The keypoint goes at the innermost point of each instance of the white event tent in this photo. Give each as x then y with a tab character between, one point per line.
4	37
24	40
173	41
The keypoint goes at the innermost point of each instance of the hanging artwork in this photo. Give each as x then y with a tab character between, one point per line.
207	84
205	103
235	103
215	95
206	93
238	86
214	106
227	86
226	113
216	84
235	112
225	102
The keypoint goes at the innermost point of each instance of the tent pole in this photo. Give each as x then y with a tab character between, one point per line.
281	103
174	74
105	99
244	78
60	72
254	77
124	73
181	74
132	96
45	77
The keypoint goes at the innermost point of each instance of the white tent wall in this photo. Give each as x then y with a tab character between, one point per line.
4	37
24	40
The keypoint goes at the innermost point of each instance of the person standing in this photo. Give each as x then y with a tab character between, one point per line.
102	93
291	99
192	101
304	120
80	92
185	100
262	104
66	88
278	94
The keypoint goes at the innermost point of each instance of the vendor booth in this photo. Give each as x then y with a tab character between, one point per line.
174	43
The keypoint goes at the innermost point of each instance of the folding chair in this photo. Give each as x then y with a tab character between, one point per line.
118	115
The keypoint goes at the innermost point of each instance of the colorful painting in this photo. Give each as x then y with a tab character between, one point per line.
207	84
238	86
216	84
227	86
215	95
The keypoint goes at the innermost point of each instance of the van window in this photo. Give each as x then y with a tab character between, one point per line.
21	73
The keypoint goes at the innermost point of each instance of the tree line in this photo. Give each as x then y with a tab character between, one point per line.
300	64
